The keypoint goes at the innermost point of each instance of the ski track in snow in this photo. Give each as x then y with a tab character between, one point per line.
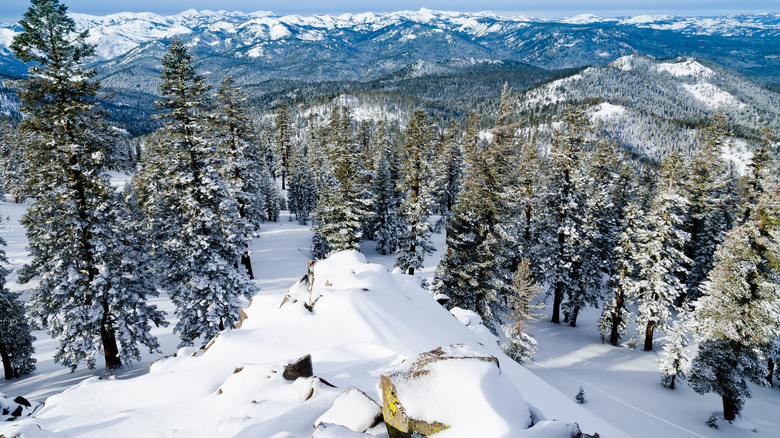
617	399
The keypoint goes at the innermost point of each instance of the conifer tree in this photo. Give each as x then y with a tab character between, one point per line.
87	296
199	234
387	222
416	183
564	206
738	315
12	163
282	144
675	362
471	272
710	212
301	188
660	258
16	342
242	165
524	312
623	281
340	209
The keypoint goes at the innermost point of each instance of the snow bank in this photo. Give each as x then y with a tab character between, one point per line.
363	320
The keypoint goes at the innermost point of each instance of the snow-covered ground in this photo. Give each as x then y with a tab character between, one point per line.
352	337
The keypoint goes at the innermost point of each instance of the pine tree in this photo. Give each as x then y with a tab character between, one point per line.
710	214
623	281
16	342
660	259
12	164
387	222
564	206
340	209
471	272
738	315
282	144
675	362
524	311
199	234
87	295
242	165
301	188
416	183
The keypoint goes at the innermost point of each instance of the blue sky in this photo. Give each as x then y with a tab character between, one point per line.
11	10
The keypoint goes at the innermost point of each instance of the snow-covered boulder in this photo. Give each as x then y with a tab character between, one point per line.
354	410
454	390
17	407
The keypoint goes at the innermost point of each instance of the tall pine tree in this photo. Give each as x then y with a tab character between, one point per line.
16	342
199	234
87	296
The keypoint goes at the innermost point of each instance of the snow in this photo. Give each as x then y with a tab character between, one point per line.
352	409
6	36
607	111
689	67
353	336
711	95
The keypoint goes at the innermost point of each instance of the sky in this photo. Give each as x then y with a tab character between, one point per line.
11	10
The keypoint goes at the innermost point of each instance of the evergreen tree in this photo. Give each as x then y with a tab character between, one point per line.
87	295
470	272
416	183
623	281
448	170
302	187
199	234
340	209
282	144
660	259
524	312
12	164
710	213
387	222
675	362
242	164
564	206
16	342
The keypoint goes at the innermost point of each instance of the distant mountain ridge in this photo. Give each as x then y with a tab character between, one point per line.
369	45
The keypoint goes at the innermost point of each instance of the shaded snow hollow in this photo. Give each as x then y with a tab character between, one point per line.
365	320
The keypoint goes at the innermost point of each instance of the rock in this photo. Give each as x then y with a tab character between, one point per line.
17	412
327	430
300	368
354	410
455	387
22	401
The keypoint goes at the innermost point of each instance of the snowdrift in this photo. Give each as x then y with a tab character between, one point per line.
363	321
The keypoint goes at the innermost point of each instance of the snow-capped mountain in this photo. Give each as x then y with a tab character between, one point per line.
363	46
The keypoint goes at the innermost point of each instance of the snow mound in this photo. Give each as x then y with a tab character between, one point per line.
606	111
363	319
711	95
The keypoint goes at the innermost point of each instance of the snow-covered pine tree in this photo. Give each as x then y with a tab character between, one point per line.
416	183
563	204
524	311
738	314
623	281
199	234
659	256
449	164
87	295
12	163
242	163
282	144
301	187
675	363
387	222
16	342
470	271
709	215
338	219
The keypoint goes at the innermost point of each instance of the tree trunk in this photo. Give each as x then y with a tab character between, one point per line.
649	336
9	372
671	382
110	349
247	262
556	311
771	368
730	410
614	335
574	313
